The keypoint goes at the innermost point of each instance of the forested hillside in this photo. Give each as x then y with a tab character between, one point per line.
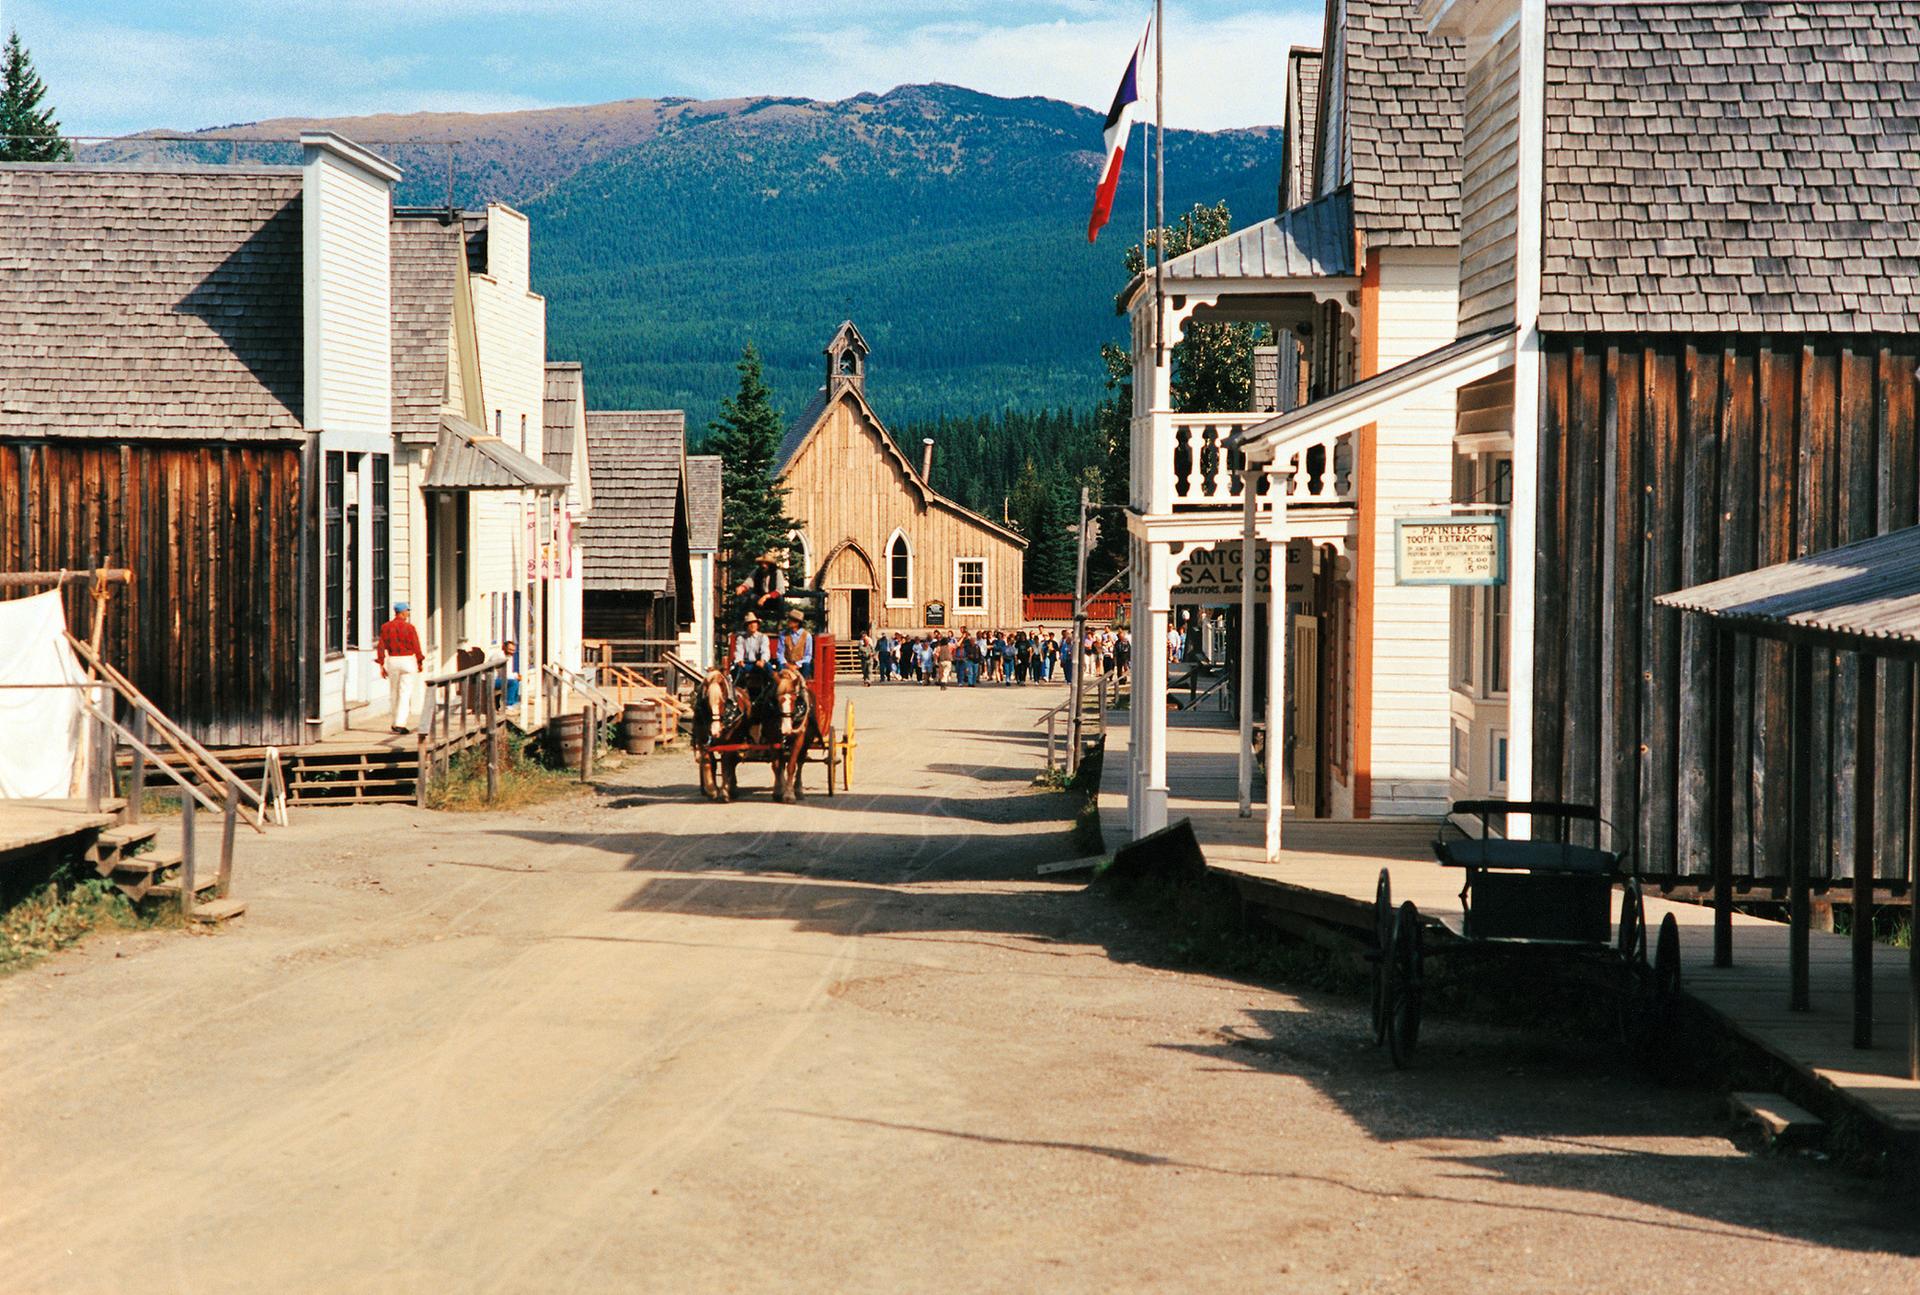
949	224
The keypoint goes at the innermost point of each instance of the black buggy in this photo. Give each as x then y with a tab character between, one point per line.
1544	898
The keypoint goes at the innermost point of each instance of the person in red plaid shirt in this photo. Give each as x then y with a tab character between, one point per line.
400	658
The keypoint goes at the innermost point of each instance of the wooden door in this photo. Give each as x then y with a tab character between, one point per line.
840	613
1303	722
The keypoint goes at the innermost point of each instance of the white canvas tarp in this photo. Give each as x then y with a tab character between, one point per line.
40	728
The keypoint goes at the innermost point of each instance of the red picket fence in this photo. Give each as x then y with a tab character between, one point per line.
1059	607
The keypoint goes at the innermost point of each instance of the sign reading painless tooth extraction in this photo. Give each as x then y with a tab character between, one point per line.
1450	550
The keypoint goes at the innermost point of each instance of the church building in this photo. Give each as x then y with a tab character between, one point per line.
891	552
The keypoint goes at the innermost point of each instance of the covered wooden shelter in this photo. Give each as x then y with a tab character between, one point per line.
1861	599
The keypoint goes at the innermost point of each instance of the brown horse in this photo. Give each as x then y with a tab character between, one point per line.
727	714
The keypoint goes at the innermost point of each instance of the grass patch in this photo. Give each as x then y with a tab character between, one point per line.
522	781
61	911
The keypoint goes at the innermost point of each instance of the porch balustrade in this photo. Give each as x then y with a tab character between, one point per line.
1190	467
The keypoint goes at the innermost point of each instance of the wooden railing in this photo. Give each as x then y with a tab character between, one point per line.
463	711
1059	607
1200	471
595	705
1059	716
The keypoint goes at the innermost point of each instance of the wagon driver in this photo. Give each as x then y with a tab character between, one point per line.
397	652
752	653
796	645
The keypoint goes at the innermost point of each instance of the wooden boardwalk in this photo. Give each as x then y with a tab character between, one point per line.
1328	870
27	826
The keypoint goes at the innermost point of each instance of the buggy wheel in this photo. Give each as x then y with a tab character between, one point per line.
1380	952
833	760
1632	935
1666	966
1406	984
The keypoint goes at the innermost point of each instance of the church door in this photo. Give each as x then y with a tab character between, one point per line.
849	581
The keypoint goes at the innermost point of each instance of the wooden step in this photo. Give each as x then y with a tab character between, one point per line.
1782	1124
148	864
203	888
125	836
217	911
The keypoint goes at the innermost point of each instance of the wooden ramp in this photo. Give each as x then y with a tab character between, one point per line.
1328	871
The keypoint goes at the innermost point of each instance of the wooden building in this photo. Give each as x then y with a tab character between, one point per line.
636	553
1686	347
890	551
194	384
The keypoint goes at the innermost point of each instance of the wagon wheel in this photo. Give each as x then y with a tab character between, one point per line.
1632	940
1406	983
1378	954
1666	967
833	760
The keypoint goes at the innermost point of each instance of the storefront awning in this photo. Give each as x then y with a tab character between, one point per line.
1446	368
1862	597
466	458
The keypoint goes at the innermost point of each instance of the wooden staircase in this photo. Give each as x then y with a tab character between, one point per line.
846	659
148	873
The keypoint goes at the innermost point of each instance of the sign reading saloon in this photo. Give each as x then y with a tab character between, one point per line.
1450	550
1212	575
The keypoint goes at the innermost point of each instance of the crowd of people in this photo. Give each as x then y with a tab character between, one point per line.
967	659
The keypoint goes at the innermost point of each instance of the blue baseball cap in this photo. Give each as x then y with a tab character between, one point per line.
402	607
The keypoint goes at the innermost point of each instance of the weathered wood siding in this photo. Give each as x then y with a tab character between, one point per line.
209	627
1671	461
844	485
1489	153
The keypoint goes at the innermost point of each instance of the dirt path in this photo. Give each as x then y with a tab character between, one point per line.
646	1043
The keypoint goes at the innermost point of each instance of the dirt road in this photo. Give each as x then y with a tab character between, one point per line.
641	1042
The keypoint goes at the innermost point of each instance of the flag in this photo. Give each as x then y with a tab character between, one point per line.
1119	122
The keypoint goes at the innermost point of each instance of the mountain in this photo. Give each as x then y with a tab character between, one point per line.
949	224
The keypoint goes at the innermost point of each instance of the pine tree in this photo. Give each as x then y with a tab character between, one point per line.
746	436
28	132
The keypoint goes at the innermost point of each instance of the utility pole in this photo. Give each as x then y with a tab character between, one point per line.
1079	634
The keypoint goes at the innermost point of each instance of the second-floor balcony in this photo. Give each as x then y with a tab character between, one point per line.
1186	464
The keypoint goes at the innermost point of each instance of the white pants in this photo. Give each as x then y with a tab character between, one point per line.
400	689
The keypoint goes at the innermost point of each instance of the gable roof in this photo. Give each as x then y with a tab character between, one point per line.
426	275
151	303
467	458
1303	105
801	430
703	501
1733	166
563	404
637	460
1390	109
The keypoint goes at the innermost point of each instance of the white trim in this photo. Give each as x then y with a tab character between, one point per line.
981	610
886	557
799	536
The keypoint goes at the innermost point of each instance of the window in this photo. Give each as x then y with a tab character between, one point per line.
1499	769
970	584
899	570
799	562
336	548
382	543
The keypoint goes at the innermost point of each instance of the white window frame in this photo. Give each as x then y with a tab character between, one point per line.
958	609
887	557
799	538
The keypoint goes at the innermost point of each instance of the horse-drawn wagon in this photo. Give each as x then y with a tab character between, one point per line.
777	717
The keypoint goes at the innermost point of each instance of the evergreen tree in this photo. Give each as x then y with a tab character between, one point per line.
28	132
746	436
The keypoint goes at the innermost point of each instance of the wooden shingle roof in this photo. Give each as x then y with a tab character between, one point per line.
426	274
637	460
1400	93
150	303
703	501
1303	103
1733	166
560	411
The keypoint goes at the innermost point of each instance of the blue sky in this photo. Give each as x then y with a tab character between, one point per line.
120	65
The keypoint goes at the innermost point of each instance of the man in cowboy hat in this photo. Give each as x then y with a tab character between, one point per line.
795	647
751	650
765	589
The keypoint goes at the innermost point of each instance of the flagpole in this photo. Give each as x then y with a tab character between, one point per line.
1160	173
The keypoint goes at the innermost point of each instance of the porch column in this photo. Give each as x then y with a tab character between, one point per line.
1249	608
1276	666
1136	718
1149	691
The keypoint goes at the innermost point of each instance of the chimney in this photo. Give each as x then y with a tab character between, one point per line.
926	460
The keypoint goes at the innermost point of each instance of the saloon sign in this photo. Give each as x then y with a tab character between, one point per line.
1450	550
1212	575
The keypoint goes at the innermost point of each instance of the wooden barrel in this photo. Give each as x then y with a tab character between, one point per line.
566	736
640	726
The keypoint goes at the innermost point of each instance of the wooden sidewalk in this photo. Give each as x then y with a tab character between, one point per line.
27	826
1328	871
